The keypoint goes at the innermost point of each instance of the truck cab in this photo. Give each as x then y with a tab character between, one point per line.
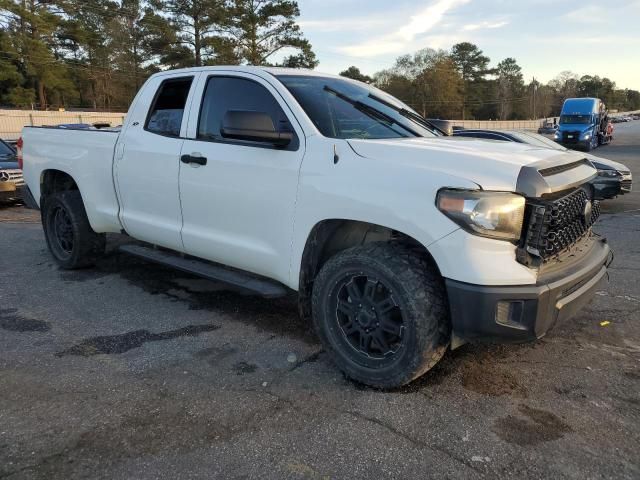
581	123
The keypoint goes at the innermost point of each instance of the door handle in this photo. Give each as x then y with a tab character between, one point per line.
193	159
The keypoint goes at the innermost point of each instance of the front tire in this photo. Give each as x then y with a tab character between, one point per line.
381	312
70	238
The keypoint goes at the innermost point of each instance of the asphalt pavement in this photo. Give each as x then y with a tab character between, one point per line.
132	370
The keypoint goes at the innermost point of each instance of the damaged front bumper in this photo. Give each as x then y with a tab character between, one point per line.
526	312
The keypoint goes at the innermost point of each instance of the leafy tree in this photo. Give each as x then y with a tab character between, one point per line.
427	80
262	28
355	74
632	99
395	84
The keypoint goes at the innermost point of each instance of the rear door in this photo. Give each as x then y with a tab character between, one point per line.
238	207
147	161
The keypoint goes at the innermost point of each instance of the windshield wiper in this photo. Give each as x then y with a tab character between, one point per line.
410	115
368	109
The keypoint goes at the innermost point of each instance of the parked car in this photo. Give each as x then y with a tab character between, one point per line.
11	181
613	178
399	241
548	128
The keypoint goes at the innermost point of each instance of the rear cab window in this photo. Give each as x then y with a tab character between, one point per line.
167	109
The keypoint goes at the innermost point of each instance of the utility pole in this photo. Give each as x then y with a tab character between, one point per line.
535	90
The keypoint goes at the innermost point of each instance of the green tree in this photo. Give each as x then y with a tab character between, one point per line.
10	77
33	26
473	67
196	25
395	84
262	28
355	74
510	89
427	80
632	100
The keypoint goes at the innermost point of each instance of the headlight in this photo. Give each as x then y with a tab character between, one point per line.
608	173
556	135
489	214
586	135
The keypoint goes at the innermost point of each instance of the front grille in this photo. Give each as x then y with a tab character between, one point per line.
15	176
554	226
570	137
626	185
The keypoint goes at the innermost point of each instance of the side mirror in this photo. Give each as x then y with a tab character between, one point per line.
253	127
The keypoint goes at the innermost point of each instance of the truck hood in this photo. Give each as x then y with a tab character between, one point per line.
606	164
493	165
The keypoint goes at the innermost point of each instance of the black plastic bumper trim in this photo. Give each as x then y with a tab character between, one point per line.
473	307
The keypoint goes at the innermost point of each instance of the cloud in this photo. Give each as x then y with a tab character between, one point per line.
428	18
341	25
588	14
399	40
484	25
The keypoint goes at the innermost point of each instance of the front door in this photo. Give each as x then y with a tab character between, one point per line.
238	207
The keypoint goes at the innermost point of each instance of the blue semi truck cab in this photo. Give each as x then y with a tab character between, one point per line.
583	123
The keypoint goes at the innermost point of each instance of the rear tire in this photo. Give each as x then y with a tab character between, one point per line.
381	312
70	238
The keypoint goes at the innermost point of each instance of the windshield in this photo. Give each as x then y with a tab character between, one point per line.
585	119
5	150
345	109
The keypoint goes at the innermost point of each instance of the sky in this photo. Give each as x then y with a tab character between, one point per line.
546	37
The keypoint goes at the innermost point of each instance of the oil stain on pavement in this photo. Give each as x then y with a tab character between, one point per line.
541	426
113	344
10	320
277	315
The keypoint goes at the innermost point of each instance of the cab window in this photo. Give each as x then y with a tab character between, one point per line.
234	93
165	116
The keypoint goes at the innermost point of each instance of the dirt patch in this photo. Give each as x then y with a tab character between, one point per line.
487	378
12	213
113	344
153	429
11	321
539	426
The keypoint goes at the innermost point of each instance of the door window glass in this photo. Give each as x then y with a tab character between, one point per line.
165	116
234	93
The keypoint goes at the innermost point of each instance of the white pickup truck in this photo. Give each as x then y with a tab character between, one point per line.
400	242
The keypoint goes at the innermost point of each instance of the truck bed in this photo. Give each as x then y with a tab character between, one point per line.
86	155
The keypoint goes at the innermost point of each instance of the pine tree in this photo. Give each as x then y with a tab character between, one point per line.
196	24
262	28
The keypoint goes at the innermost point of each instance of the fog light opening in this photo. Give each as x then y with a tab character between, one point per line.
509	313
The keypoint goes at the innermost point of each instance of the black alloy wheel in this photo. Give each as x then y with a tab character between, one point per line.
369	317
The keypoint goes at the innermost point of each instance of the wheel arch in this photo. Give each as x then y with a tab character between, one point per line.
54	180
331	236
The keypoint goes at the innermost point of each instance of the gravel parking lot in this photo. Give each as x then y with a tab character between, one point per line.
131	370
